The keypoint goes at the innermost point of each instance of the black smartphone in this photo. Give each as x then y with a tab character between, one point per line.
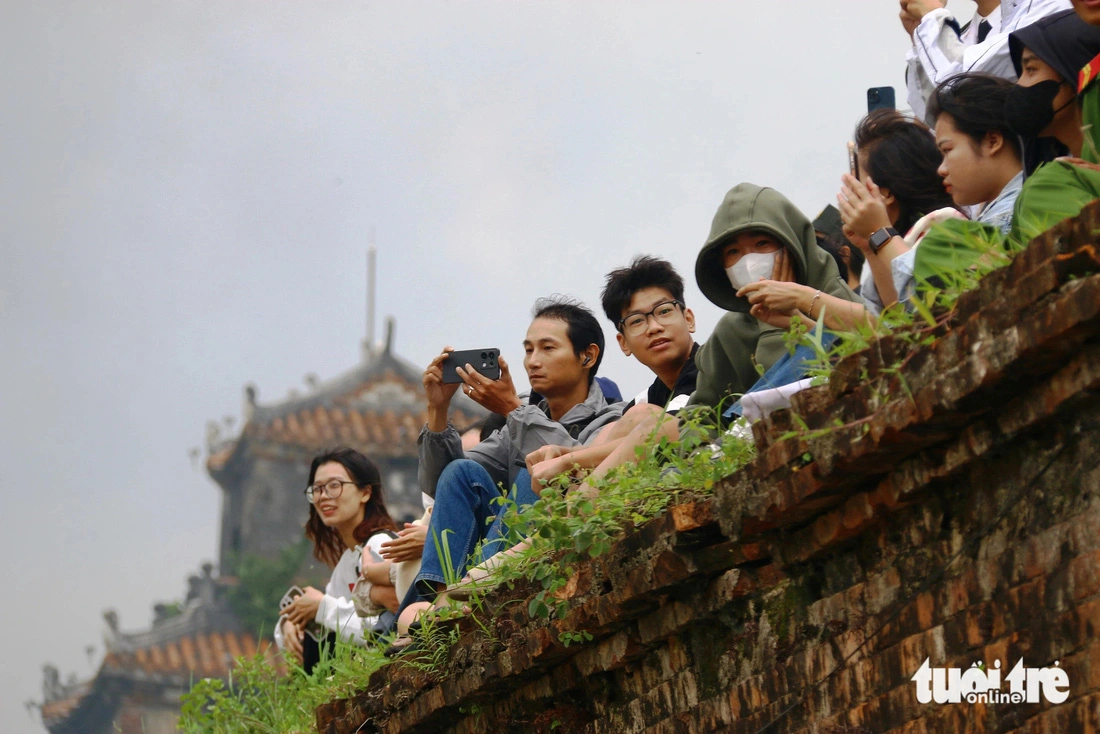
484	361
879	98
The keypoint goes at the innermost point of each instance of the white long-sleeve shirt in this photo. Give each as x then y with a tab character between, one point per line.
939	54
336	612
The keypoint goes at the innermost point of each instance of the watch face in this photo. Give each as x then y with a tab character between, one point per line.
881	237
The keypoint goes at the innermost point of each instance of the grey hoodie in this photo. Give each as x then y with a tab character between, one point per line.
529	427
727	361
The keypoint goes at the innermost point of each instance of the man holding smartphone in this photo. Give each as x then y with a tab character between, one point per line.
563	350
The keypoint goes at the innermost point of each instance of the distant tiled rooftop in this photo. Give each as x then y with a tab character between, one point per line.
203	655
378	407
59	710
377	434
175	663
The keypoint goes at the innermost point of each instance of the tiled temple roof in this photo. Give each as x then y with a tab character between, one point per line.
175	664
377	407
202	655
202	641
57	711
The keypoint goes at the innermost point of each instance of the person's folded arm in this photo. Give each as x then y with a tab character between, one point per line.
937	45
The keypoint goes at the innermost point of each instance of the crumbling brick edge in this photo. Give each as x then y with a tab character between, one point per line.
955	520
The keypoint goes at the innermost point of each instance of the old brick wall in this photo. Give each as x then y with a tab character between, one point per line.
944	509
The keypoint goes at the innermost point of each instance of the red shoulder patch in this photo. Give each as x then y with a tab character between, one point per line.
1088	74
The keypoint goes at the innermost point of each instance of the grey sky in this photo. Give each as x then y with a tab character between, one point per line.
188	186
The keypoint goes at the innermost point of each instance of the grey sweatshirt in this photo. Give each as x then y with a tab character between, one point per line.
529	427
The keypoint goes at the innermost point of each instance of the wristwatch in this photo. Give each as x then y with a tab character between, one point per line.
881	237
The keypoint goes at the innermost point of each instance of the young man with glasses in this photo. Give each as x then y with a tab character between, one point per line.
645	302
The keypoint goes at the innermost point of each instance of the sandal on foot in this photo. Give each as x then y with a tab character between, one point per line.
399	646
406	642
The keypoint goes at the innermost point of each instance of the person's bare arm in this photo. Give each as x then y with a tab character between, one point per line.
549	461
407	546
789	298
375	571
585	457
385	596
863	212
626	450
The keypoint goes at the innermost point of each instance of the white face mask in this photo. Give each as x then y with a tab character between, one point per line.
750	268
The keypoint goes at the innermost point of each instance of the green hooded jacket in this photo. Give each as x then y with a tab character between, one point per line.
727	361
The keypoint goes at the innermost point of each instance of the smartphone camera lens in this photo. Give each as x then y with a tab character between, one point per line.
484	356
873	95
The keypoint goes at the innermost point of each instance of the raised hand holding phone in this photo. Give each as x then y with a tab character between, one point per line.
483	361
439	393
498	396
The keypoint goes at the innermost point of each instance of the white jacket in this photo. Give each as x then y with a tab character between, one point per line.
938	54
336	611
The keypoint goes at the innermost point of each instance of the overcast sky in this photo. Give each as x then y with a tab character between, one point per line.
187	190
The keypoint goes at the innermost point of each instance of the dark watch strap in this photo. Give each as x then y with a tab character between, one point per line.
881	237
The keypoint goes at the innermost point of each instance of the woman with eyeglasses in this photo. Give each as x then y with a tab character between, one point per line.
347	520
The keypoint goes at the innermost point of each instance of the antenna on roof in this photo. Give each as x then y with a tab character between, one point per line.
368	346
391	324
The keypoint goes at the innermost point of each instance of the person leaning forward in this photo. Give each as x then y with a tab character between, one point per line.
757	234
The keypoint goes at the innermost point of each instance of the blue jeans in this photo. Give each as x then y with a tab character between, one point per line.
465	513
496	539
790	368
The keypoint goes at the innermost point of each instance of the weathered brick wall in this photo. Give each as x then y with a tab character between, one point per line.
946	510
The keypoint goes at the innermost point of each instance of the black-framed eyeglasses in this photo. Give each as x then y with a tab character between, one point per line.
332	489
663	313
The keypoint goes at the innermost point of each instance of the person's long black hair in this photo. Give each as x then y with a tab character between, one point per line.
900	155
976	104
328	546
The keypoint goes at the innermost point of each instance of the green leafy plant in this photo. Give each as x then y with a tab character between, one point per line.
916	323
566	529
261	583
262	698
568	638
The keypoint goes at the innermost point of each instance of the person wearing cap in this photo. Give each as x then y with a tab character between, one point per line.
829	229
1055	97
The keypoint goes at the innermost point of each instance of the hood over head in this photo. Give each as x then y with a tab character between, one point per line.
1062	40
751	207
